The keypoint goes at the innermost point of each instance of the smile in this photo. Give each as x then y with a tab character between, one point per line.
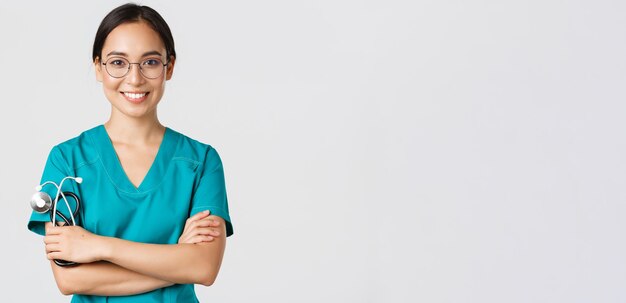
135	97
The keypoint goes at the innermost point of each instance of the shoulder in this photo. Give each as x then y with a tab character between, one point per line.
193	150
76	151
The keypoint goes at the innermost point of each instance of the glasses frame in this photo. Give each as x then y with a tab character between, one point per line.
130	64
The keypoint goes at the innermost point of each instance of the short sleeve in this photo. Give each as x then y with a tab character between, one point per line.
211	190
55	170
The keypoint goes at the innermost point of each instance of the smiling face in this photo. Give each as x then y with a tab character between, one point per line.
133	95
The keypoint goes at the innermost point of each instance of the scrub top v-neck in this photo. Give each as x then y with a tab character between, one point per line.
186	177
113	165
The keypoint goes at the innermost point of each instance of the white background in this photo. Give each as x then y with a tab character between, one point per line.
374	151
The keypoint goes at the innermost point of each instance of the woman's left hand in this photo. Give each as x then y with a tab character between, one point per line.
72	243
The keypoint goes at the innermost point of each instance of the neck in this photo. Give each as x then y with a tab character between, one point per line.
134	130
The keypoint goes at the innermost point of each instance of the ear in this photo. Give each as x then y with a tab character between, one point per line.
170	68
97	66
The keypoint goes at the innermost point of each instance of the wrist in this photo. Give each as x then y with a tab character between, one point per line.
106	248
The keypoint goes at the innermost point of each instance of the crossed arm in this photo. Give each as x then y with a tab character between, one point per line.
114	267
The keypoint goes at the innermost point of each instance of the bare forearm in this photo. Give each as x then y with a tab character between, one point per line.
179	263
104	279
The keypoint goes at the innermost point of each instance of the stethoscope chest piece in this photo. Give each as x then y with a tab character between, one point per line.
41	202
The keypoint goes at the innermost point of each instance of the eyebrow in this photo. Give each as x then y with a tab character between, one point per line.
116	53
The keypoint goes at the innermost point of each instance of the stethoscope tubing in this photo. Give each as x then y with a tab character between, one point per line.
58	213
68	222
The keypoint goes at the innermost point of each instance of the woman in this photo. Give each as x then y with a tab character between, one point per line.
154	209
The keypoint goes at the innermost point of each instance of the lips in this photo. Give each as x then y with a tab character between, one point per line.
135	97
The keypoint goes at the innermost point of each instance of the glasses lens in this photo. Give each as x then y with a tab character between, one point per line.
117	67
152	68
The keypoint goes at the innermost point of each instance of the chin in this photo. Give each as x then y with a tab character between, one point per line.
132	111
136	113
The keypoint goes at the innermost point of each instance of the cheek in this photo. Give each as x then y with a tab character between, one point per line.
156	87
161	86
110	88
110	84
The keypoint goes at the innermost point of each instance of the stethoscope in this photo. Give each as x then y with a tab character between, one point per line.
41	202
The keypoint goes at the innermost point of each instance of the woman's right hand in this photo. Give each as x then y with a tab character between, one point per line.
199	228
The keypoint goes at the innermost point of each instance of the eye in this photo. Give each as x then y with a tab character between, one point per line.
117	62
152	62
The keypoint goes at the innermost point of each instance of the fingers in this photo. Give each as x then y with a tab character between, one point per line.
53	230
52	247
204	231
51	239
200	228
193	220
54	255
207	231
206	222
198	216
199	234
200	238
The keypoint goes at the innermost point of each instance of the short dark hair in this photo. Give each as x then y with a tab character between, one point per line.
128	13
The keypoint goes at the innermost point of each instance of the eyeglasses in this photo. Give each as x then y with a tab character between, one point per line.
150	68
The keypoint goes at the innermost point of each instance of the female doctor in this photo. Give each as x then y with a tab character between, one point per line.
154	209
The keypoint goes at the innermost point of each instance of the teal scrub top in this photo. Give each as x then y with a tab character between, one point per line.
185	178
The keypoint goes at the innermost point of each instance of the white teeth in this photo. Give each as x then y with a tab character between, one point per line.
134	96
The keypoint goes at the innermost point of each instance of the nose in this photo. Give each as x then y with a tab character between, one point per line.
134	75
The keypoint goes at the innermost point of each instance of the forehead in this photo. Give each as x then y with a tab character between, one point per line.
133	39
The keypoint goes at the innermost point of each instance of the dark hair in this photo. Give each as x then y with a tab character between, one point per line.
129	13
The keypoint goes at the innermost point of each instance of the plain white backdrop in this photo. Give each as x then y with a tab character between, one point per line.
374	151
